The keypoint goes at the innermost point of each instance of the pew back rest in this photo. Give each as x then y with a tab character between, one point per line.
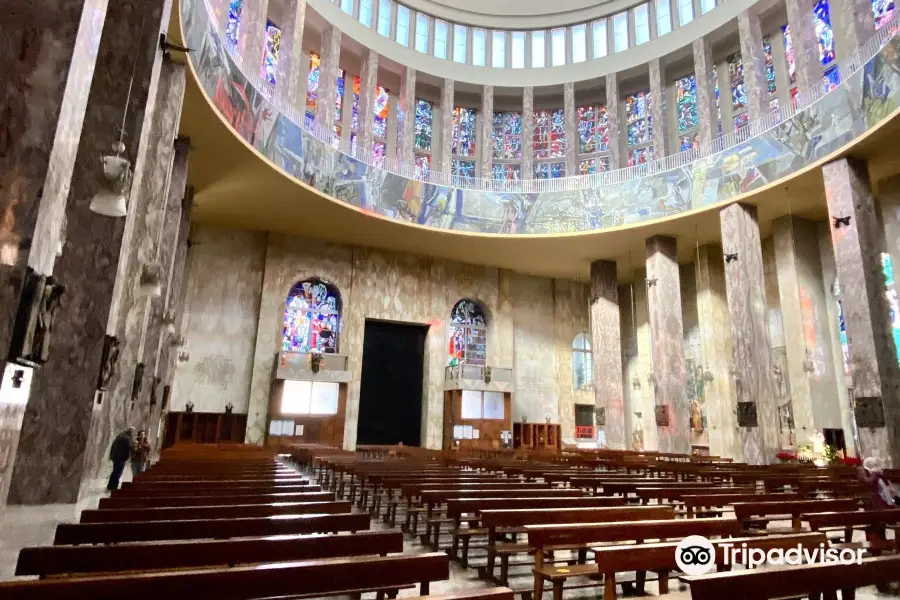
576	534
459	506
521	517
747	510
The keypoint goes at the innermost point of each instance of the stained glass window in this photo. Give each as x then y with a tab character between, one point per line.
379	130
824	33
312	318
738	88
506	136
424	113
468	334
639	156
312	85
233	27
423	165
339	104
270	53
770	65
686	102
689	141
463	168
463	143
832	78
593	129
552	170
379	149
549	133
789	54
637	113
741	120
883	11
354	115
506	172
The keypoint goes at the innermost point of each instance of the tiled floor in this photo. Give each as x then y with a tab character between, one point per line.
24	526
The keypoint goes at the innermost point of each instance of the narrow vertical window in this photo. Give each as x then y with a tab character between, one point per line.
663	17
402	36
498	49
620	32
384	18
558	47
479	43
579	43
600	43
641	25
440	39
459	43
365	12
422	34
538	49
517	51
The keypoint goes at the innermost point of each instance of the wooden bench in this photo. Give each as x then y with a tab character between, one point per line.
660	558
237	511
546	538
199	484
875	522
145	556
145	531
325	577
748	513
494	593
195	500
215	491
513	521
713	499
674	494
819	580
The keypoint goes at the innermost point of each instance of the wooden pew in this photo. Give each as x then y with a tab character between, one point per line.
325	577
747	512
200	484
546	538
215	491
875	523
146	556
234	511
672	494
194	500
145	531
713	499
815	580
495	593
660	558
517	520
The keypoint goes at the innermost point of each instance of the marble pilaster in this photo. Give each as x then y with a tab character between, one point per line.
330	56
57	448
667	345
253	34
806	44
661	142
614	113
487	125
606	331
293	64
706	91
445	156
715	348
811	371
406	116
858	242
782	77
644	394
368	81
527	132
751	360
754	62
853	23
155	335
571	117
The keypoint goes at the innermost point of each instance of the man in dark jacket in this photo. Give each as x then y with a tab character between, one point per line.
119	453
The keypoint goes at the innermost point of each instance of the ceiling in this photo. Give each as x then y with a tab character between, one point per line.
236	187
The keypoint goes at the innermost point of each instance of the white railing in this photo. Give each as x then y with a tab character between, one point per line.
801	101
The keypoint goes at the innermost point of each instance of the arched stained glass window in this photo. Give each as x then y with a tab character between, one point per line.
233	27
468	334
582	362
312	318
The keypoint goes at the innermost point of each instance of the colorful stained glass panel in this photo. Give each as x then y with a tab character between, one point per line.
741	120
379	129
463	168
883	11
424	115
686	103
463	142
557	133
738	87
639	156
541	139
506	136
423	165
312	318
379	150
770	66
637	116
832	78
689	141
312	84
233	26
506	172
789	54
270	53
824	33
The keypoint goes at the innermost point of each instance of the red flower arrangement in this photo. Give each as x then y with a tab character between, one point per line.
852	461
786	456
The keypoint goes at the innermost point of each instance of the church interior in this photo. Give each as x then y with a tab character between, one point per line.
450	300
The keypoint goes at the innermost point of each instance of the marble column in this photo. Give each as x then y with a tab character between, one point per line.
645	394
368	81
661	142
328	70
614	113
56	452
811	370
782	77
155	335
726	103
406	116
571	116
715	347
487	127
853	23
754	61
858	241
706	90
751	359
667	345
445	156
253	35
527	132
293	63
806	44
606	343
50	50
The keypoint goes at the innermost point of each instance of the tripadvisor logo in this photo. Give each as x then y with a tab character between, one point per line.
695	555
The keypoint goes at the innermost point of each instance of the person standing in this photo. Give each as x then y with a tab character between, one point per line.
119	453
140	454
